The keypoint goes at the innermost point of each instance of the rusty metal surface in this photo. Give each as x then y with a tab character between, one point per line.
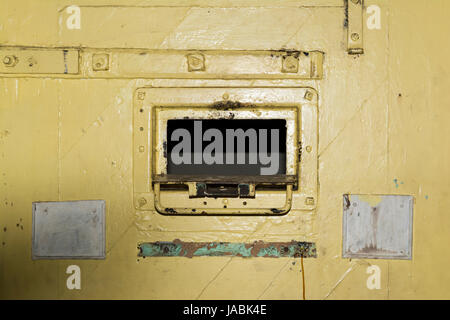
377	227
276	179
178	248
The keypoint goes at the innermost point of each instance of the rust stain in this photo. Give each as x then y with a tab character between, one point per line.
227	105
346	202
256	249
170	210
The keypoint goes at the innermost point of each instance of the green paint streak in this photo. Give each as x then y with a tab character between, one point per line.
396	183
271	251
222	249
167	249
212	249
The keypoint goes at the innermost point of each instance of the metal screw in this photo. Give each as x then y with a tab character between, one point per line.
226	96
355	36
308	148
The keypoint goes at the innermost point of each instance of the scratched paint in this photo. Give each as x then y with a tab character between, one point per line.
179	248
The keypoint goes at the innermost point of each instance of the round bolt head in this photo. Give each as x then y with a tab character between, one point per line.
10	61
355	36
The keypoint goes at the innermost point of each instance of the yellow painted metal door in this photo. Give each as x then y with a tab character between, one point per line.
86	91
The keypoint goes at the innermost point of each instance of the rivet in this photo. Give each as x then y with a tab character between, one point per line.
100	62
308	148
309	95
141	95
226	96
10	61
31	62
196	62
141	149
355	36
142	202
290	64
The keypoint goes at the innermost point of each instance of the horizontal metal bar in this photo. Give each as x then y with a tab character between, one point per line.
178	248
78	62
239	179
49	61
222	211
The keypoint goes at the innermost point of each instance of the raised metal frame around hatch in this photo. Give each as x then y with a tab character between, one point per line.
154	106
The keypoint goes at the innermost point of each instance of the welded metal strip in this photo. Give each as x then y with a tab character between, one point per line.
354	19
149	152
178	248
49	61
87	63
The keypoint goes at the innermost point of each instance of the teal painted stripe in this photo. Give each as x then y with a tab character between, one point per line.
221	249
178	248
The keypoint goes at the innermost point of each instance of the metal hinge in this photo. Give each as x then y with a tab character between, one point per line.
354	22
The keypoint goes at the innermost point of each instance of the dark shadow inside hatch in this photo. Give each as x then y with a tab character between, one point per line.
251	131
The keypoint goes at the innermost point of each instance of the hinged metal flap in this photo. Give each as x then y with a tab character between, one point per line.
155	107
